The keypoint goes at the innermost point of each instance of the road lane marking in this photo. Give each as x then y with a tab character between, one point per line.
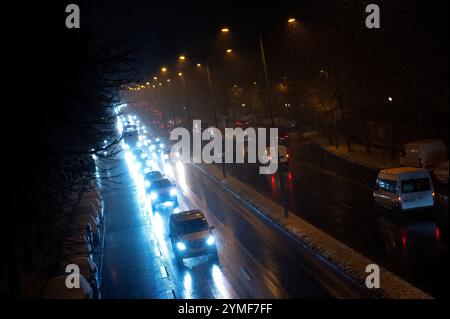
245	272
157	251
163	271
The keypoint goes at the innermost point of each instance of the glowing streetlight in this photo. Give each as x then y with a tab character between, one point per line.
199	65
182	58
229	50
148	83
168	80
291	20
163	69
390	99
225	30
155	78
180	74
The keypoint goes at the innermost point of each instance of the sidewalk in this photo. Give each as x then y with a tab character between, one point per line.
328	250
377	159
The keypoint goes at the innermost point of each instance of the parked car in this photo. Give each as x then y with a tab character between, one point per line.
84	220
403	189
441	173
88	209
191	235
162	191
77	246
56	289
76	230
424	153
88	269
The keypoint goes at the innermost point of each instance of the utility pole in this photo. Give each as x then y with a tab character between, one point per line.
269	102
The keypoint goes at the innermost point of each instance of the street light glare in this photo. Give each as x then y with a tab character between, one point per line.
291	20
225	30
182	57
164	69
199	65
155	78
390	99
180	74
229	50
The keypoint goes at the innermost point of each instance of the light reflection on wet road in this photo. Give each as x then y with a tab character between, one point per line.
255	260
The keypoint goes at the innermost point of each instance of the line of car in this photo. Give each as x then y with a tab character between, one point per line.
190	233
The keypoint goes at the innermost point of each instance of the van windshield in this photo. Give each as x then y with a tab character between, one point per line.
387	185
415	185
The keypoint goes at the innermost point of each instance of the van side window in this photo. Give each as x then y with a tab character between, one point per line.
387	185
415	185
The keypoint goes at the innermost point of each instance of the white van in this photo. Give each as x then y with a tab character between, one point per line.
424	153
404	188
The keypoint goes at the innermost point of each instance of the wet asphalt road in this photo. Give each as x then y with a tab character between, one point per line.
255	260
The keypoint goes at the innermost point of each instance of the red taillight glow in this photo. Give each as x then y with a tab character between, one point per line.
438	234
404	240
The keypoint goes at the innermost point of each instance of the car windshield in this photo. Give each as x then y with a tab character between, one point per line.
191	226
415	185
153	175
163	183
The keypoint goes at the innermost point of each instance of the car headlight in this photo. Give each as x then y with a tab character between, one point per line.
173	192
210	241
153	195
181	246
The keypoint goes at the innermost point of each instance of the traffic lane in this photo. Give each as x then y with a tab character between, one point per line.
196	278
269	262
131	267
